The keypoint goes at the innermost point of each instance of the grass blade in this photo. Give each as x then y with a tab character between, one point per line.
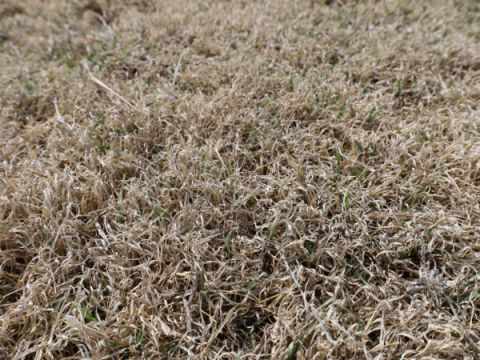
370	115
359	146
229	243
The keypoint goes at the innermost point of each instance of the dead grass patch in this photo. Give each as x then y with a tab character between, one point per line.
293	180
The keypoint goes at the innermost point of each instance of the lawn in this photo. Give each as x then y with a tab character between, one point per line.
239	179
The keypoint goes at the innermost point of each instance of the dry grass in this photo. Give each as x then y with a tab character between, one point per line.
281	180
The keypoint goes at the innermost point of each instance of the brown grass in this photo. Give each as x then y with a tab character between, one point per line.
282	179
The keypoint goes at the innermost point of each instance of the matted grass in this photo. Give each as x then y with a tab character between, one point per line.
280	180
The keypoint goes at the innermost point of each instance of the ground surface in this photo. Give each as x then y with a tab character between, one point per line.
280	180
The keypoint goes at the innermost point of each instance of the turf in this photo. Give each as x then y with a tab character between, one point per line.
239	179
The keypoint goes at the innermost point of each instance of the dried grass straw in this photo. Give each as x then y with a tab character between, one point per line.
239	180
